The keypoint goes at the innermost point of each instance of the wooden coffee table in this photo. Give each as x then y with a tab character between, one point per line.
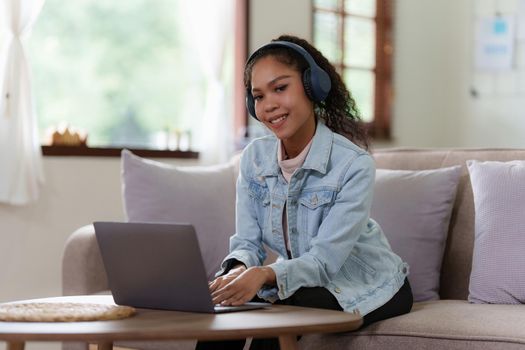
284	322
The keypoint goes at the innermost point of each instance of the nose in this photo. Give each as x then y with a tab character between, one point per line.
269	105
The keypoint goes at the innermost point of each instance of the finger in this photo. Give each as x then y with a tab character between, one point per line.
238	301
218	283
220	295
223	294
213	285
234	300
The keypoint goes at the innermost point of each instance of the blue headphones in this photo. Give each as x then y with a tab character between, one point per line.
316	81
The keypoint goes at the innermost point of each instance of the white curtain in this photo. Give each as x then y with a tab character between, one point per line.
209	25
20	154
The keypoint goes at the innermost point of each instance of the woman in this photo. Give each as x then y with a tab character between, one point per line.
306	193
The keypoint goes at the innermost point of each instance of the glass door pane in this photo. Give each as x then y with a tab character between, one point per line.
327	36
327	4
361	85
360	42
361	7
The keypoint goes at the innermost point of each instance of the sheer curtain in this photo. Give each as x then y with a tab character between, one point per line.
209	24
20	154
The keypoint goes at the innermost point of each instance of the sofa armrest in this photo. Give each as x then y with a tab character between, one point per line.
82	268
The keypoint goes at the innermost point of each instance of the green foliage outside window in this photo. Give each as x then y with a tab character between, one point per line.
117	69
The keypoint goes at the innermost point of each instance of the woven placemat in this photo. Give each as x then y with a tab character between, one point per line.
62	312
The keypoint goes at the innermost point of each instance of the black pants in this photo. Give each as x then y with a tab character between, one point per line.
318	297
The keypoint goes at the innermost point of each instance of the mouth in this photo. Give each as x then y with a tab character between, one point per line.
279	119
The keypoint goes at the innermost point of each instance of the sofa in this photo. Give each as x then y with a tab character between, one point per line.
449	321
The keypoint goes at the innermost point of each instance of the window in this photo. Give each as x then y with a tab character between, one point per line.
355	35
126	72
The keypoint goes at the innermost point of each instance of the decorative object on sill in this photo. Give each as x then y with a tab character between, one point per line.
172	139
184	140
68	137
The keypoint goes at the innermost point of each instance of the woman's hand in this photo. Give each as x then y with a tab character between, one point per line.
222	281
242	287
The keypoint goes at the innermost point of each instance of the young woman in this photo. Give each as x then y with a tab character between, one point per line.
305	192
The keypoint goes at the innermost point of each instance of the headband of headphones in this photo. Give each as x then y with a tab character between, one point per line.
316	81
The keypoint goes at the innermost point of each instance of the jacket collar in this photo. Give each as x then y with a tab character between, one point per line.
317	158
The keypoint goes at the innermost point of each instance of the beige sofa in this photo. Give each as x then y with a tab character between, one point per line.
449	323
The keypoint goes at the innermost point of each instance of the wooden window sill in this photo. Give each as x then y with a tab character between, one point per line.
82	151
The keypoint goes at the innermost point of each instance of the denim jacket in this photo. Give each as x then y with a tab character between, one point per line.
334	243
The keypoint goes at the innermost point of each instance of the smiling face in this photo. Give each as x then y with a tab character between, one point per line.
281	103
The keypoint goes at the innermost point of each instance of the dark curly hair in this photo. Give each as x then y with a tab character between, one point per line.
338	110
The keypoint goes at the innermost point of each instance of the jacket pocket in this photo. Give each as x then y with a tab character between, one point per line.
261	197
312	210
259	193
356	268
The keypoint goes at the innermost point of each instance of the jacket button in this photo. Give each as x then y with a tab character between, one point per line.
314	200
337	290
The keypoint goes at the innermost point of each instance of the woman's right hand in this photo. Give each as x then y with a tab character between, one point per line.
221	281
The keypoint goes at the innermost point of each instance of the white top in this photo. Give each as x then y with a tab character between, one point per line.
288	167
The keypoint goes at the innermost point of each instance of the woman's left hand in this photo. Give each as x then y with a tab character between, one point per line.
243	288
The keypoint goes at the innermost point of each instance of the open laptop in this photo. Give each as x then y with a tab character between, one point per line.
157	266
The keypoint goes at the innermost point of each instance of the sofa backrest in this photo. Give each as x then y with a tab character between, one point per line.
457	261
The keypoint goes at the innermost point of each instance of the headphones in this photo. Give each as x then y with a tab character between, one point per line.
316	81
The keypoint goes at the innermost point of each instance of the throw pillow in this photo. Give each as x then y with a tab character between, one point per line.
414	208
498	261
203	196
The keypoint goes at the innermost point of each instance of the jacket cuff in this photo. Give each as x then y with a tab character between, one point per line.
235	257
281	279
268	293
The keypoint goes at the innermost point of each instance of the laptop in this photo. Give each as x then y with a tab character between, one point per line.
157	266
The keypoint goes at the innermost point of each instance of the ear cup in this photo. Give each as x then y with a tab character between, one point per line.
307	84
320	84
250	104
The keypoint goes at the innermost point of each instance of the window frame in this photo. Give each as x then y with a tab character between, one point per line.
240	117
380	126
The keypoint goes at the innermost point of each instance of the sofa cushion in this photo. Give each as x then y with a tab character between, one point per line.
457	259
424	200
203	196
498	262
441	324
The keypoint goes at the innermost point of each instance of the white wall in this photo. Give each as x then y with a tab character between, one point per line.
497	116
271	18
434	72
431	65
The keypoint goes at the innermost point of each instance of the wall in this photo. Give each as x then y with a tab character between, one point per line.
434	73
271	18
430	71
497	117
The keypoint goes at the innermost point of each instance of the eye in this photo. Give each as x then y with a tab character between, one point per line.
257	97
281	87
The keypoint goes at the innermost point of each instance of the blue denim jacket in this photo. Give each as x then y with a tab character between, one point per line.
334	243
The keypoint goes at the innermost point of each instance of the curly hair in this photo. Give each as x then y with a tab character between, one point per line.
338	110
